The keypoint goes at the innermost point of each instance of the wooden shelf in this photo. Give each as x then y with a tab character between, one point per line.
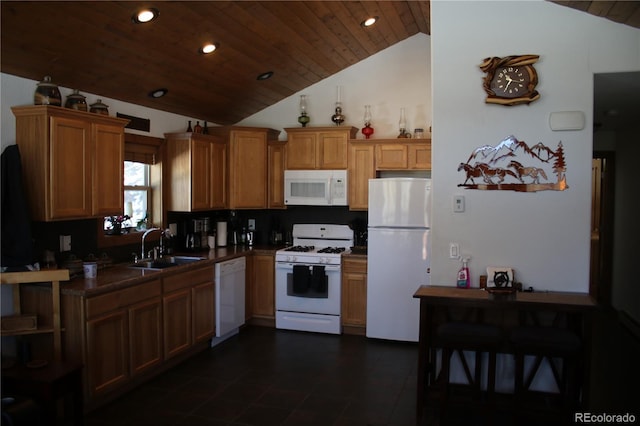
54	277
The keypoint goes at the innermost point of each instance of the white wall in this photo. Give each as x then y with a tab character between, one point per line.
544	235
16	91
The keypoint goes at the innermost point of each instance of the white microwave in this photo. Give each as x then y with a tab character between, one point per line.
315	187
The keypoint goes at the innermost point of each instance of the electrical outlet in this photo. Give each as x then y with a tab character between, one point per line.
251	224
458	203
65	243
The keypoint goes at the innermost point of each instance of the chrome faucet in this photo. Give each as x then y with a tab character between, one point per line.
147	232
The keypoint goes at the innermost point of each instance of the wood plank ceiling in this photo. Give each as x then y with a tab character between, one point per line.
94	46
624	12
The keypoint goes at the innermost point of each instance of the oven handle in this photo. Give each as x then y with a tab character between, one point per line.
289	266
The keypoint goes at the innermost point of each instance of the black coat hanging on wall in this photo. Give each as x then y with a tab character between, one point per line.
15	228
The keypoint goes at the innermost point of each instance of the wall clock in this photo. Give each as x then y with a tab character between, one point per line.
510	80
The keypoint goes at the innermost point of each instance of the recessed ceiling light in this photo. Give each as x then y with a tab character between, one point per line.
369	21
265	75
145	15
208	48
158	93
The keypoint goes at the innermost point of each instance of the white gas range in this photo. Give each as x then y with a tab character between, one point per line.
308	278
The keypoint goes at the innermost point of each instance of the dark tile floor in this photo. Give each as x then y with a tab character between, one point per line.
270	377
276	377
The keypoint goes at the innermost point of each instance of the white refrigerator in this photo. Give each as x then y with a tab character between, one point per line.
398	255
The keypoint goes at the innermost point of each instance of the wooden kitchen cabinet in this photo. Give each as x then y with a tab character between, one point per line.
177	322
196	172
419	156
145	335
126	336
72	162
108	169
262	283
123	336
203	310
189	309
247	164
107	352
367	157
354	295
276	165
406	155
318	147
361	169
219	176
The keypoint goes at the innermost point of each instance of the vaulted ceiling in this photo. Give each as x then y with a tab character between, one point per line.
95	47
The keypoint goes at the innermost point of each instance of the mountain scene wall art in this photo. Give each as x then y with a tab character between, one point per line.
516	166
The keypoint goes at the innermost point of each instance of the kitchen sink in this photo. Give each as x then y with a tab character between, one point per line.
165	262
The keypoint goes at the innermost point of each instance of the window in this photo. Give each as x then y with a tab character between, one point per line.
137	195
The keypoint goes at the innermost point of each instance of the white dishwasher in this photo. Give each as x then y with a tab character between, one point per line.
230	298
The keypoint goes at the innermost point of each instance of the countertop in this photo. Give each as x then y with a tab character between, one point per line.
122	275
453	296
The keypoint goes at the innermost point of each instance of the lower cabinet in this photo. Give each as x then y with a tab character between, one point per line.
262	291
123	337
177	322
203	312
354	295
107	352
123	333
145	336
189	309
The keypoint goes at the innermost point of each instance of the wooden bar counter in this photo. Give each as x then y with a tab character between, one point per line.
434	299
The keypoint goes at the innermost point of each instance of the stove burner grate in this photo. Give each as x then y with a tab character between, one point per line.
332	250
300	248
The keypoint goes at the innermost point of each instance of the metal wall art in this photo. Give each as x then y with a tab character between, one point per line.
514	165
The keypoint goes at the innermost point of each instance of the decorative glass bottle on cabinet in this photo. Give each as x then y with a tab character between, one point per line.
303	118
367	130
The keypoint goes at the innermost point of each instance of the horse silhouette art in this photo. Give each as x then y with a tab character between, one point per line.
533	172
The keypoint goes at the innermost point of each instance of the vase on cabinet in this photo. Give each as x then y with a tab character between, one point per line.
47	93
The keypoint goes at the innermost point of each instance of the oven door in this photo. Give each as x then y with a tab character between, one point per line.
308	288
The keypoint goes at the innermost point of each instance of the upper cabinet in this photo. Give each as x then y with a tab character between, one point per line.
318	147
248	166
368	157
414	155
276	163
361	169
196	172
72	162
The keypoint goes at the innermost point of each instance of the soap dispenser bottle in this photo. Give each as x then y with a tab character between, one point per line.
463	274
